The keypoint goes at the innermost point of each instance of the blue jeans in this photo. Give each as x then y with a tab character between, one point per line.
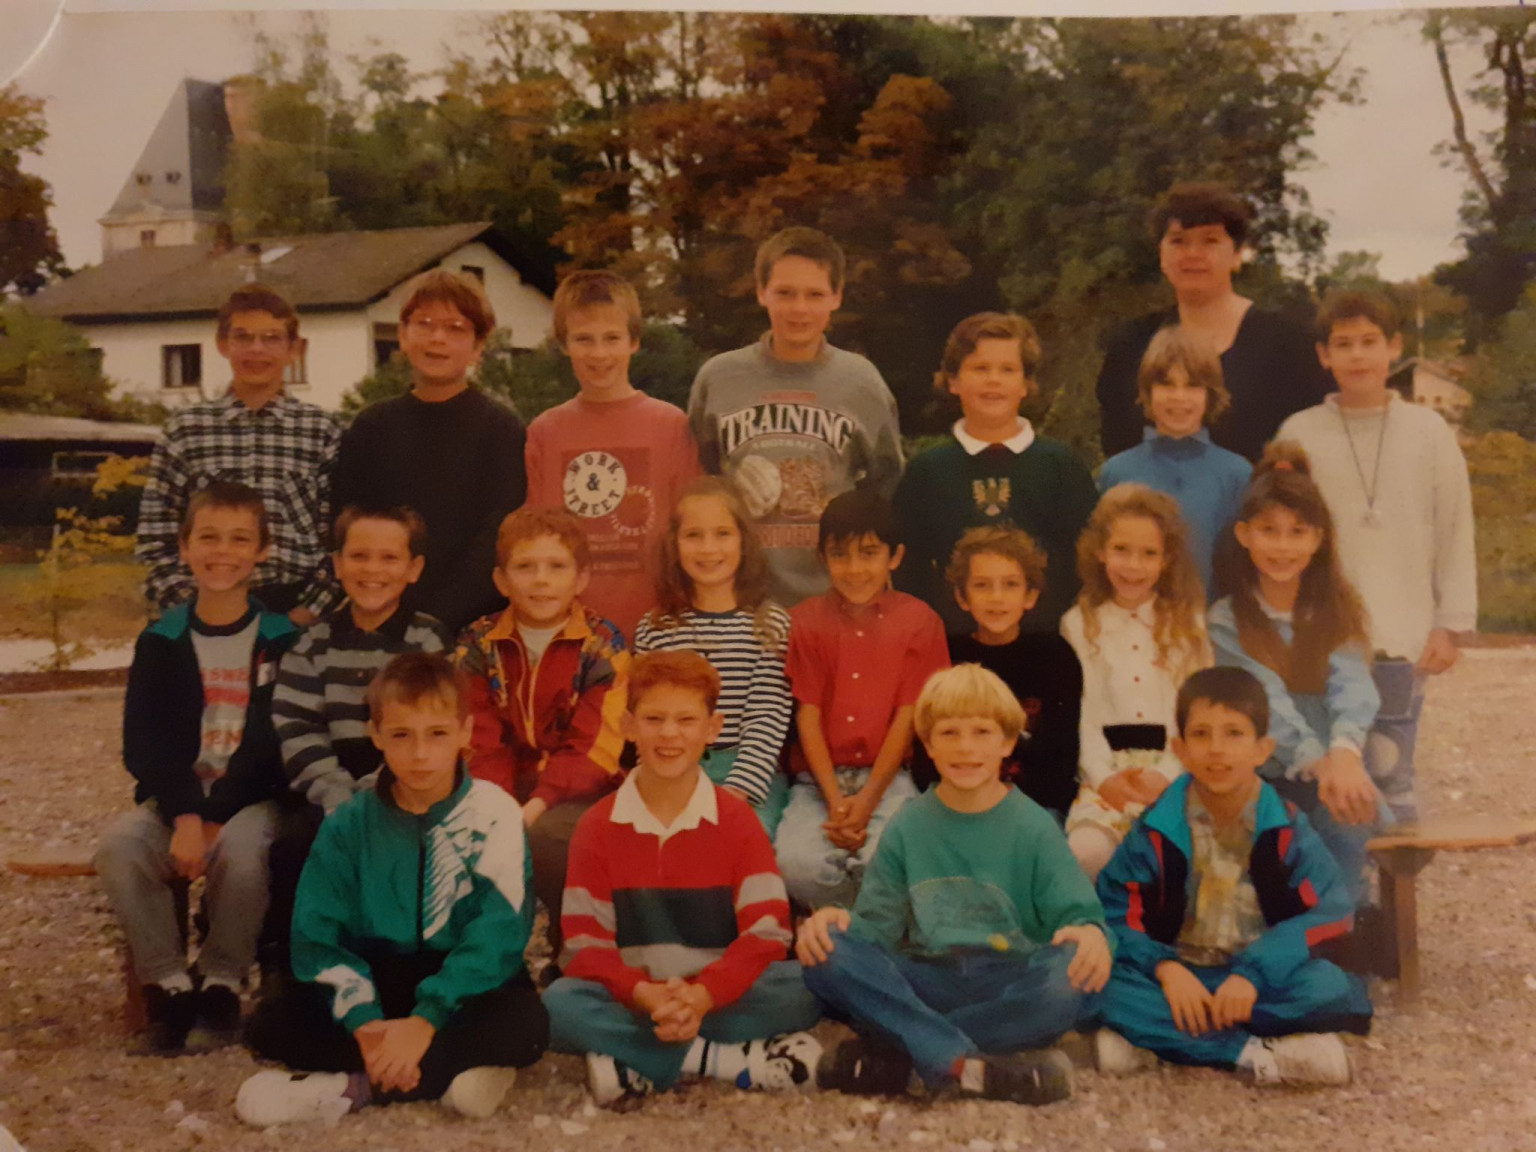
1390	745
945	1010
584	1017
816	872
1320	998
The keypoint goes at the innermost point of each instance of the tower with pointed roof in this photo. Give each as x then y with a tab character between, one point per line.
175	193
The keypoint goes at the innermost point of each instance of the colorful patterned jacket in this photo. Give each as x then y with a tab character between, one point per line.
550	732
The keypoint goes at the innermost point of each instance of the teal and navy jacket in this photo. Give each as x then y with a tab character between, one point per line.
454	881
1302	894
163	721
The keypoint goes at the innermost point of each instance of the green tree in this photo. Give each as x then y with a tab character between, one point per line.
1499	212
47	366
1502	378
29	248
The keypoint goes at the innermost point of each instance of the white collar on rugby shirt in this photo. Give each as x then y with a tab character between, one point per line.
1016	443
629	808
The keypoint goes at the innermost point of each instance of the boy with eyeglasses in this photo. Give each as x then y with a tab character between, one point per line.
258	435
446	449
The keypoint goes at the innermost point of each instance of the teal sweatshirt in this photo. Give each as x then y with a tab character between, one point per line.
944	881
455	880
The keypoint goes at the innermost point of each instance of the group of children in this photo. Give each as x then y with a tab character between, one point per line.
704	704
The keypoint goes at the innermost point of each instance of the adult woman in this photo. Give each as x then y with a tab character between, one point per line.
1268	363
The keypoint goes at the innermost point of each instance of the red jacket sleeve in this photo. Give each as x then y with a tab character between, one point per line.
762	907
587	917
587	761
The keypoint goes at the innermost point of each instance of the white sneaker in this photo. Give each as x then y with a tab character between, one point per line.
479	1092
1305	1058
611	1082
787	1063
275	1097
1114	1055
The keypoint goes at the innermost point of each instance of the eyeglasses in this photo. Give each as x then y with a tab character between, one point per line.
426	326
240	338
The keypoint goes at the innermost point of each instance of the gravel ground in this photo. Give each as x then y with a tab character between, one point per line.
1456	1070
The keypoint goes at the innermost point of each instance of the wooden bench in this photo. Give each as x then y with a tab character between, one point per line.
78	860
1406	849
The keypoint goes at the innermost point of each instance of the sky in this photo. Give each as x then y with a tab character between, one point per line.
106	77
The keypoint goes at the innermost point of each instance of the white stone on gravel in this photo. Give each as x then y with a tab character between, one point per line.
572	1127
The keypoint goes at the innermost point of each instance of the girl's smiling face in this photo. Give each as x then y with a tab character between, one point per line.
708	543
1280	543
1133	559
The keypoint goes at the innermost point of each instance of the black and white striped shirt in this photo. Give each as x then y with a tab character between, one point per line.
320	707
754	692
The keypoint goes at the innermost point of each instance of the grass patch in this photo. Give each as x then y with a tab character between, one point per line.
102	602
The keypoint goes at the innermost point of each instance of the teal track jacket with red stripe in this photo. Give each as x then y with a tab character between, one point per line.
1302	894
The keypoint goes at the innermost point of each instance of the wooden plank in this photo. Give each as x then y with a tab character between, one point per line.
57	860
1458	833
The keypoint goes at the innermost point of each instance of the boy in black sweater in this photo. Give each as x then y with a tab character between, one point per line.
445	449
198	738
997	574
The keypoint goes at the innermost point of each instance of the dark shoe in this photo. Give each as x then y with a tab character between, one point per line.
218	1007
170	1015
1027	1077
865	1066
548	975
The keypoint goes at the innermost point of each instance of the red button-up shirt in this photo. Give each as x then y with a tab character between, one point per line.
860	665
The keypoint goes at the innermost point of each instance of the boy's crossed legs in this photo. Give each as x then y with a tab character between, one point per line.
945	1012
585	1018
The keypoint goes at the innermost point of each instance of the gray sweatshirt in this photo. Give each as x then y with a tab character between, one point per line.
792	436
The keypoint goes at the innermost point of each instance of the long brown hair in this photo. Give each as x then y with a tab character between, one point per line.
1178	601
674	587
1328	613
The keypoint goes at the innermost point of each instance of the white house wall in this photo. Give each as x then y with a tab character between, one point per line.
518	306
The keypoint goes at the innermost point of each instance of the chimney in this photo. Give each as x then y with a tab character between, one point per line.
241	94
250	261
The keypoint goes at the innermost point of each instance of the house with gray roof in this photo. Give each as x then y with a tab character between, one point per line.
169	263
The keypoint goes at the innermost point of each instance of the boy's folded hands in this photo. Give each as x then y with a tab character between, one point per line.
192	840
1197	1010
392	1051
677	1007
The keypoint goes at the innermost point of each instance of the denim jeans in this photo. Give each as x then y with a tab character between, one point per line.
816	872
1389	747
943	1010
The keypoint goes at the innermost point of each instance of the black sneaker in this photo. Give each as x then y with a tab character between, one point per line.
548	975
218	1008
865	1066
170	1016
1027	1077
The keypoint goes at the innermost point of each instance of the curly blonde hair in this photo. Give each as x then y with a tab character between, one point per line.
1178	603
674	587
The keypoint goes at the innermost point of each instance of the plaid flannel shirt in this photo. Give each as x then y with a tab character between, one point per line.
285	450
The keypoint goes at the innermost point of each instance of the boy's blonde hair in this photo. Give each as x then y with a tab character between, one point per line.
996	540
588	289
987	326
461	290
530	523
1173	346
967	690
